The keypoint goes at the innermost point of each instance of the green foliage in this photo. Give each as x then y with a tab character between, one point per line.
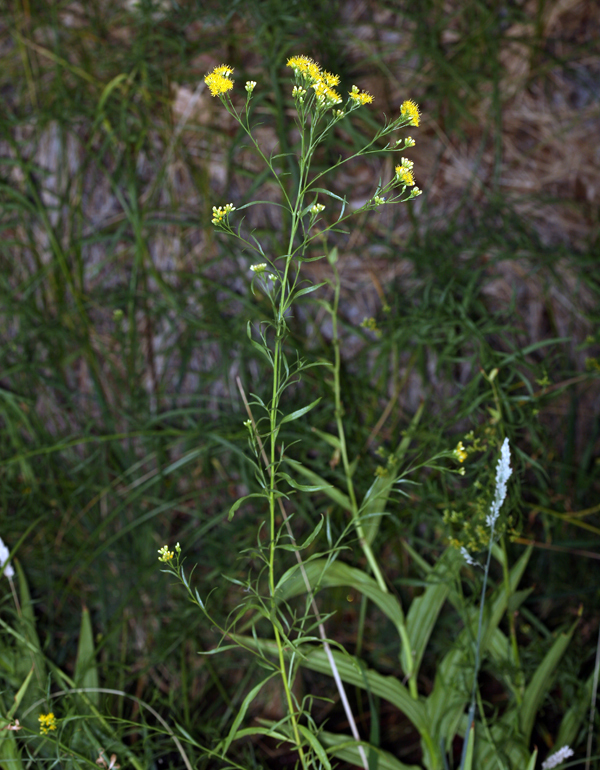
122	426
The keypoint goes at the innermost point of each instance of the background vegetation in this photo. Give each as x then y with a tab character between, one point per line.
123	322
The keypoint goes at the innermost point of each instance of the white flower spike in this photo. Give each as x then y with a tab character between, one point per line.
554	760
5	568
503	473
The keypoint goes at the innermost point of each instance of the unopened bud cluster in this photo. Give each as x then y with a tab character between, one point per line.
220	213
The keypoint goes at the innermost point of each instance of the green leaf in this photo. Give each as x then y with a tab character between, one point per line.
313	535
315	746
322	574
468	765
86	671
376	498
571	721
241	500
28	627
301	487
425	609
299	412
345	748
264	351
386	687
232	735
533	760
446	704
108	89
541	681
20	693
307	290
332	492
328	437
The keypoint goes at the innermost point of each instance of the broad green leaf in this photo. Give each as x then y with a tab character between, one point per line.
328	437
533	760
386	687
332	492
352	672
322	574
571	721
28	626
345	748
451	691
86	671
425	609
20	693
468	765
542	680
299	412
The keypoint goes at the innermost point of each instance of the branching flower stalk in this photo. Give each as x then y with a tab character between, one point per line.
319	108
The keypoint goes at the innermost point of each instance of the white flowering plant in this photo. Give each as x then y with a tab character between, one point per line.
298	638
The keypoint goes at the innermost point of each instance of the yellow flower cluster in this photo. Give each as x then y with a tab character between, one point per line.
47	723
165	555
460	452
219	80
404	172
322	82
360	97
220	213
410	109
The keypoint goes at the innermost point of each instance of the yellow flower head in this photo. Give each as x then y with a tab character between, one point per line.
360	97
404	175
218	80
47	723
330	79
164	555
460	452
326	96
305	67
410	109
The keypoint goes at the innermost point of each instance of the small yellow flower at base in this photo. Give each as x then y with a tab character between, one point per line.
410	109
218	80
47	723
